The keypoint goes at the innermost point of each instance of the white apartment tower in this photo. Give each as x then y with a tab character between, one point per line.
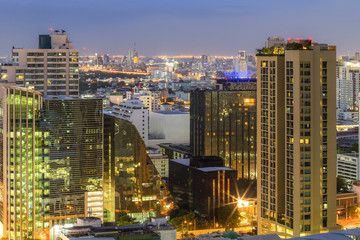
347	83
52	69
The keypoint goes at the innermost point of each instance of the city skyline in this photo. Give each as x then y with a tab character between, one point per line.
180	28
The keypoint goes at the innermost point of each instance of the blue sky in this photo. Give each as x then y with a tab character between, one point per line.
219	27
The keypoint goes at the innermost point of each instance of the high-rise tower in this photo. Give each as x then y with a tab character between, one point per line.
223	124
21	160
52	69
296	145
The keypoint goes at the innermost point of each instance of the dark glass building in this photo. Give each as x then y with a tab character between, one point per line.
223	124
131	181
73	156
202	184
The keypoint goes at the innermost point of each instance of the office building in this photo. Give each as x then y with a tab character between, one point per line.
23	187
134	111
52	69
223	124
296	139
131	182
202	184
348	166
73	156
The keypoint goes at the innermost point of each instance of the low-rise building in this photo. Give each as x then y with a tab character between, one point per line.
175	151
344	201
91	228
161	163
168	126
348	166
134	111
202	184
348	115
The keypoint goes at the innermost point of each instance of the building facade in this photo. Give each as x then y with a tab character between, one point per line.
52	69
73	155
348	166
161	163
131	182
202	184
134	111
21	159
223	124
299	82
347	83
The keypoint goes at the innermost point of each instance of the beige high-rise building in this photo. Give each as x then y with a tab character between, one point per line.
52	69
296	145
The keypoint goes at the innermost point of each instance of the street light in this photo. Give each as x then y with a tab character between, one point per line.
242	203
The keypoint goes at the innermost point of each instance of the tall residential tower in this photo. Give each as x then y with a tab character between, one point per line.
52	69
296	139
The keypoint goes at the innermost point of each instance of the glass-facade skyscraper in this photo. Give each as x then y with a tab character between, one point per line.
73	154
131	181
21	160
223	124
60	162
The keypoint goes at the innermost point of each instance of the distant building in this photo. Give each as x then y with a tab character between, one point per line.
166	107
275	42
202	184
347	83
161	163
150	100
348	166
106	59
348	115
175	151
52	69
240	64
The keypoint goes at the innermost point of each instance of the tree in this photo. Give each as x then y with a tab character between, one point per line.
354	147
351	211
342	185
228	216
184	221
125	219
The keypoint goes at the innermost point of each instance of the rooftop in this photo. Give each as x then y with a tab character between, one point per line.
170	112
186	162
349	154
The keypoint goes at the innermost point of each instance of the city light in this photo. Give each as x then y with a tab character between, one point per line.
242	203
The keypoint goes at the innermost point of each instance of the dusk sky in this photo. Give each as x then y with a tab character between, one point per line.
173	27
